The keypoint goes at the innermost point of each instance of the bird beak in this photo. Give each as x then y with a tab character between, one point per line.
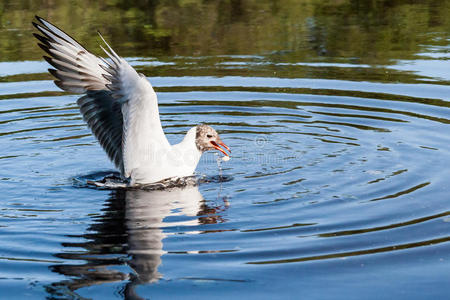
217	147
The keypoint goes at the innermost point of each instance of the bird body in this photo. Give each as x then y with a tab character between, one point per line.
121	108
178	160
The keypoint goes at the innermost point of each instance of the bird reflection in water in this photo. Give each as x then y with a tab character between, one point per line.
130	232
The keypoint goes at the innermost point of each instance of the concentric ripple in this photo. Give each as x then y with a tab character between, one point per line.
332	180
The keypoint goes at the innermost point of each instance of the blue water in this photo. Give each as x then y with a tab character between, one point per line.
338	185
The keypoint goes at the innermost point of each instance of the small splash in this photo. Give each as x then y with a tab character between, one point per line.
219	163
216	178
113	181
102	177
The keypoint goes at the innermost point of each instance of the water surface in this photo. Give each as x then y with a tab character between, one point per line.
338	116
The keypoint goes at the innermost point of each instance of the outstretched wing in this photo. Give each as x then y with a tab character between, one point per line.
115	112
76	69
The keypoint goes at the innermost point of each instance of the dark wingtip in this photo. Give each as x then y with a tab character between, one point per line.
38	19
53	72
59	84
42	39
50	61
44	47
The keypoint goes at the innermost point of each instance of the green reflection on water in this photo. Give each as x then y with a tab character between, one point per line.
372	32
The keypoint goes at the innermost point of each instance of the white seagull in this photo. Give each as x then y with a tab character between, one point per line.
121	108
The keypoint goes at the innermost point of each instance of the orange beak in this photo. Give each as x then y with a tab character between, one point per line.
216	146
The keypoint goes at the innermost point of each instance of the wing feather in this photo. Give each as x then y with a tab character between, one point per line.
120	106
67	56
104	116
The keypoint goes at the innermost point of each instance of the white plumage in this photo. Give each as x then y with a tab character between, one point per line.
121	108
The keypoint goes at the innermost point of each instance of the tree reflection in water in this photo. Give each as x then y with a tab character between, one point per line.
130	232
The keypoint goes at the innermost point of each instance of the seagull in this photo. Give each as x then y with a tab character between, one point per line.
121	109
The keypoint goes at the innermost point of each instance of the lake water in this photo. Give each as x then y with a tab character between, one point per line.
338	117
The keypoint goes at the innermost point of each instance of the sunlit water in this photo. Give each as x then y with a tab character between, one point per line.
333	182
338	186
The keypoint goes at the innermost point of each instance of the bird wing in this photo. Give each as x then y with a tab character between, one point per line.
76	69
116	95
104	117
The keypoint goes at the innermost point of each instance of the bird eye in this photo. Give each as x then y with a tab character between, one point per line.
209	136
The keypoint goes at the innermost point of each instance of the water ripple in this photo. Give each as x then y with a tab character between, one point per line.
323	171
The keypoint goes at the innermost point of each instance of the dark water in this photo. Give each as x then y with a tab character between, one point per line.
338	116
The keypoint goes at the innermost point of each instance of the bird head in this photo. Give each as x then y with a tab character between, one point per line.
208	139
